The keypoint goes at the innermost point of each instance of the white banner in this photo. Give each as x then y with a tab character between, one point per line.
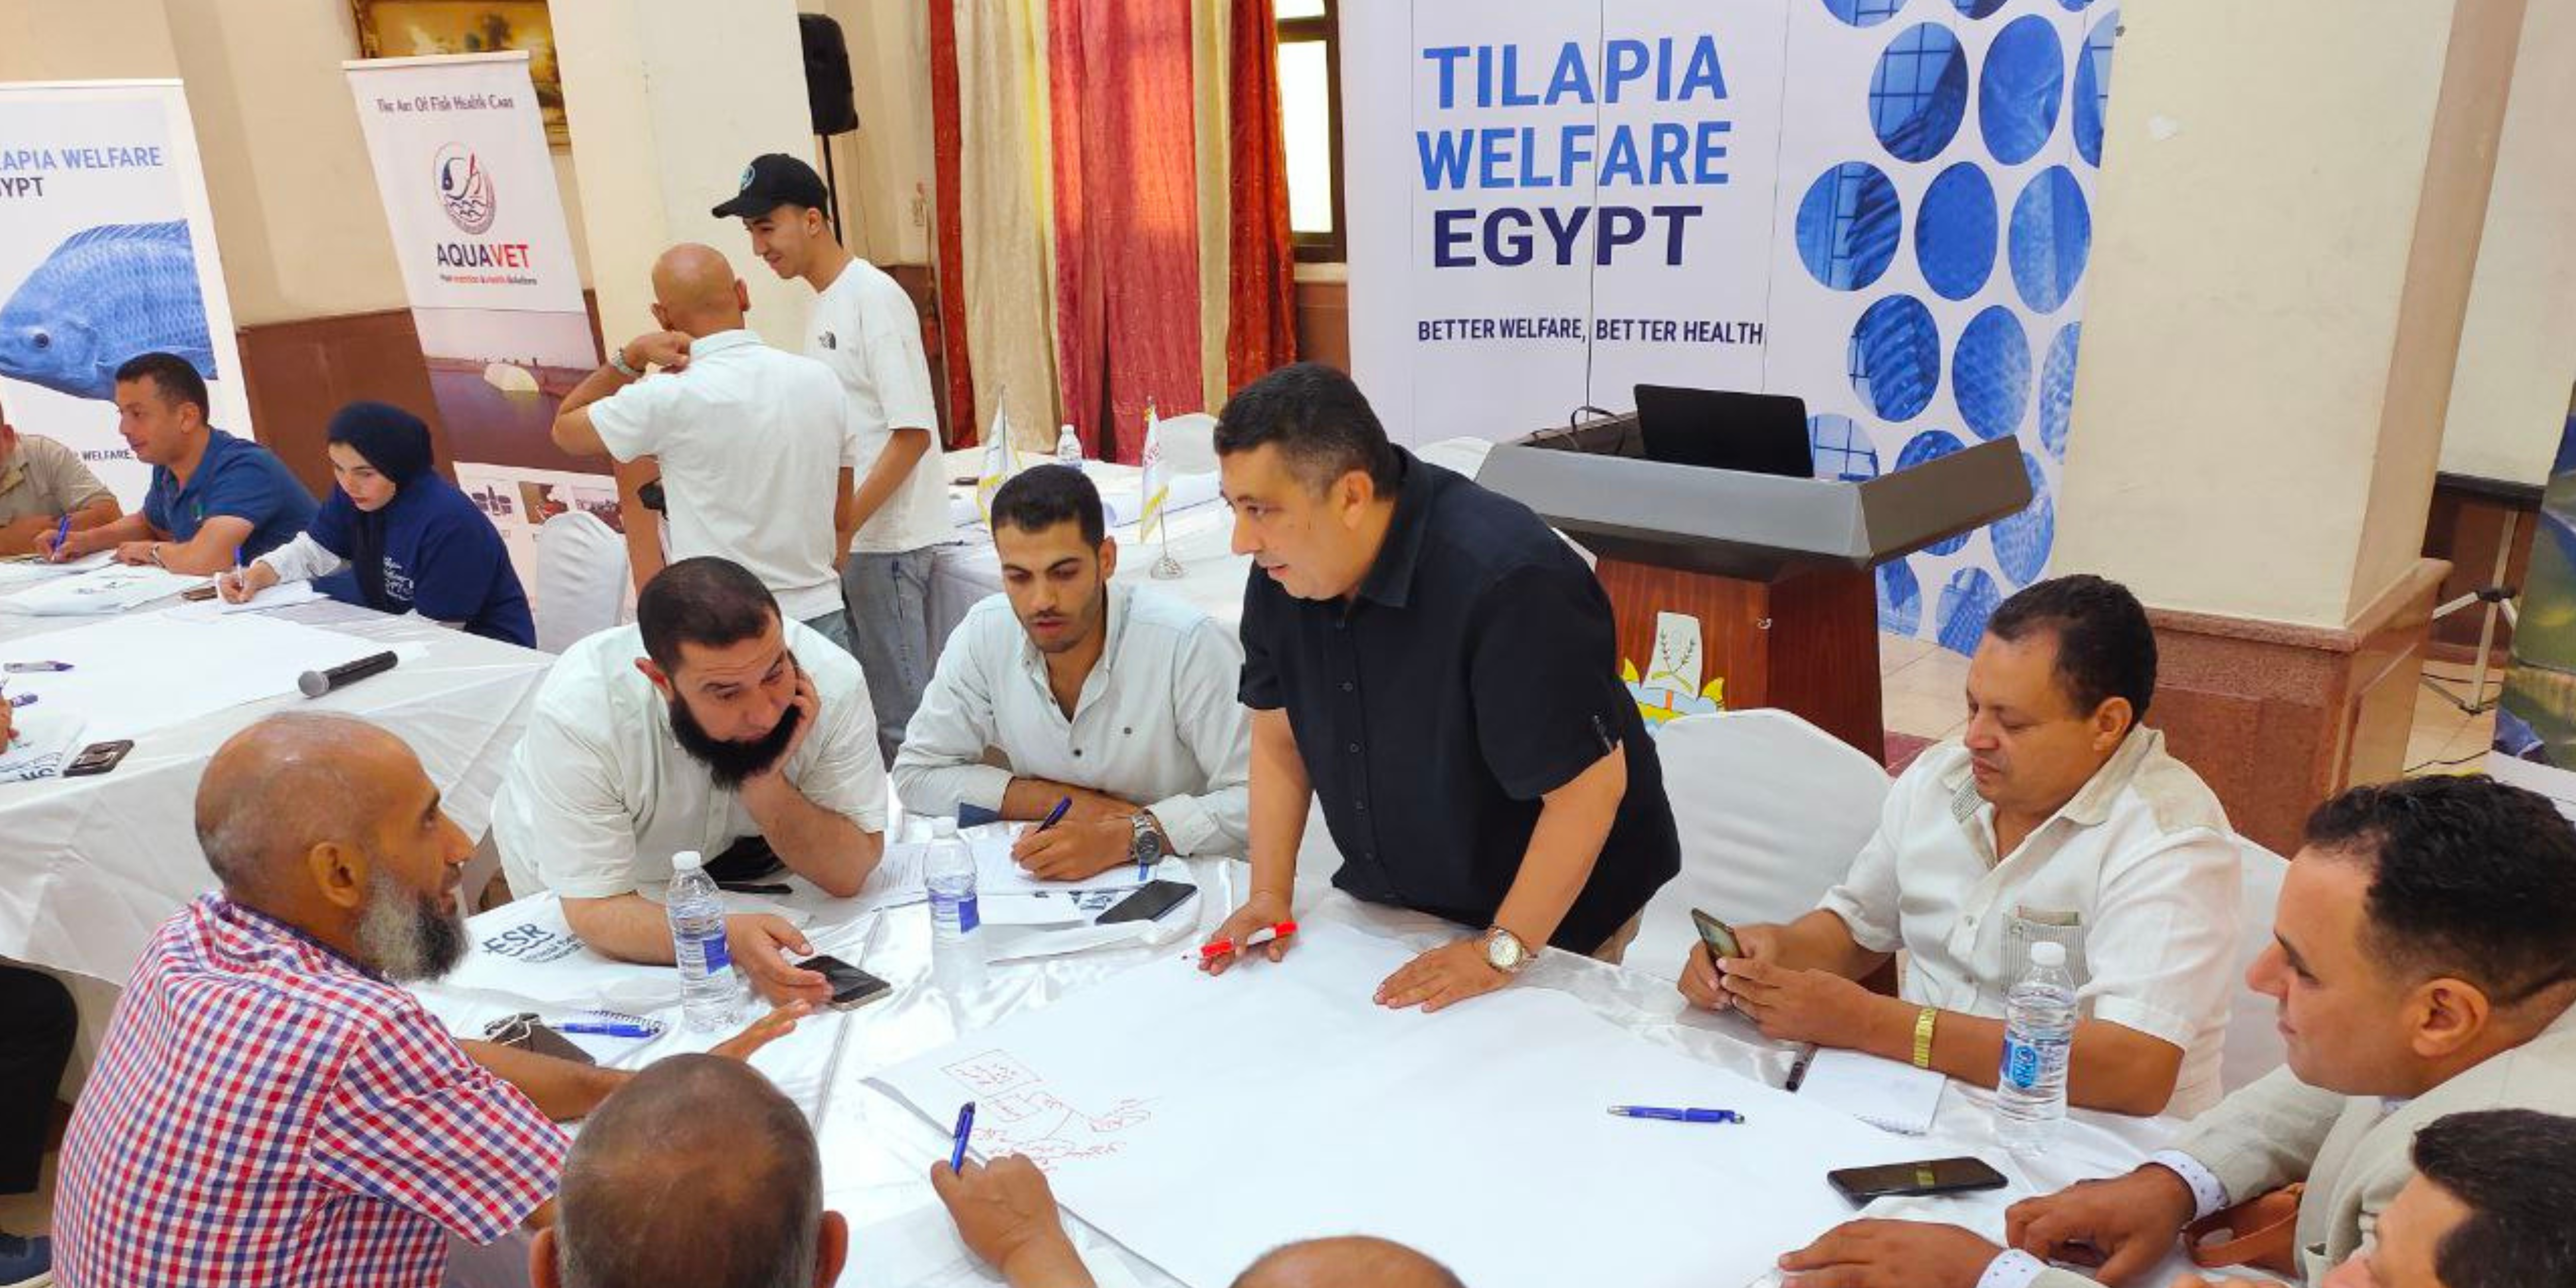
469	190
108	252
1882	210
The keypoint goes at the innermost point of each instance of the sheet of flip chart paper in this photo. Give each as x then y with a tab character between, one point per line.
139	674
1203	1120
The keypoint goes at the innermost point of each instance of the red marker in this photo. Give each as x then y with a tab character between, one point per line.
1214	949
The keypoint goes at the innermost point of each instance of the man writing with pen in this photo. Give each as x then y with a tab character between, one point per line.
1112	706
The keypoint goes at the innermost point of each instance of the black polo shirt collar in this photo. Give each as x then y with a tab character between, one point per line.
1390	575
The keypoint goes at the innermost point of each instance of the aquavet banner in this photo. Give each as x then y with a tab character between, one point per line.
1882	208
487	261
107	250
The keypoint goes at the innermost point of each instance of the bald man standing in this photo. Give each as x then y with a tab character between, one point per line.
747	438
270	1106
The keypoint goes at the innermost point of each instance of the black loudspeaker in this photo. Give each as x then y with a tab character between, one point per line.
827	75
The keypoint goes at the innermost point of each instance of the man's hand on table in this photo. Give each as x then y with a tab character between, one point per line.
1444	976
1076	848
763	1031
1260	912
1891	1254
1006	1215
1802	1005
759	943
2125	1224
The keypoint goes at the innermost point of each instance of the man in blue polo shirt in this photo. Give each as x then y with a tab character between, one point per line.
214	498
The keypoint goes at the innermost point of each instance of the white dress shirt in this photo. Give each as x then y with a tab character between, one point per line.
599	796
865	328
2137	876
750	441
1157	721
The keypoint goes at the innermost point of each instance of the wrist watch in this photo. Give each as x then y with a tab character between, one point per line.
1147	847
617	359
1504	951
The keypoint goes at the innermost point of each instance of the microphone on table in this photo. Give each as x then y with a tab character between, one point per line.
317	683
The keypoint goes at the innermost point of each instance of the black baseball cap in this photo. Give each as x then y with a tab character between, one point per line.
772	180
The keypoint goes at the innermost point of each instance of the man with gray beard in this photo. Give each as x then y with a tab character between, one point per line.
270	1106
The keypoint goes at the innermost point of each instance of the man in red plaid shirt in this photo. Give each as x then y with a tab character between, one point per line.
271	1107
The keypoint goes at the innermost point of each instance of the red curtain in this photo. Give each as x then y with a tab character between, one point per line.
946	130
1119	88
1261	313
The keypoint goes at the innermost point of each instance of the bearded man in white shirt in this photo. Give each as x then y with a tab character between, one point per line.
2057	816
1118	698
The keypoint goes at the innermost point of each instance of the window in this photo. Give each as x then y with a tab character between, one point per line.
1310	83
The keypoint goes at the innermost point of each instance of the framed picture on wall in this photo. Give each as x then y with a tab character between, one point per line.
416	28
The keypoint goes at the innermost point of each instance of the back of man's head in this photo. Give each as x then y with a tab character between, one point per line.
708	600
1318	419
2470	878
1351	1261
2515	1172
2105	648
697	1172
696	291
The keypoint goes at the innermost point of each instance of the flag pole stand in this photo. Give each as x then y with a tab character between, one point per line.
1166	568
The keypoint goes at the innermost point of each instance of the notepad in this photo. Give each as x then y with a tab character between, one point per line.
1886	1095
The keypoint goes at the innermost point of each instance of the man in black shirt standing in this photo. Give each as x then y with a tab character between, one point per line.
1441	670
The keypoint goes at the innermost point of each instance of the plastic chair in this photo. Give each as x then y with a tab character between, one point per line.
2254	1045
1189	442
1771	810
581	578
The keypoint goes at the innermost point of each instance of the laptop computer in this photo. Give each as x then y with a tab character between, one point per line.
1723	430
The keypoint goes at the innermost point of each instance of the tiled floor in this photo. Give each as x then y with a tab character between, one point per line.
1922	685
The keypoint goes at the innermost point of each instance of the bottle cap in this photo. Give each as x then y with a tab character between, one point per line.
687	861
2048	952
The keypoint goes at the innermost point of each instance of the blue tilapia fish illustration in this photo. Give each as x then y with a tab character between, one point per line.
106	294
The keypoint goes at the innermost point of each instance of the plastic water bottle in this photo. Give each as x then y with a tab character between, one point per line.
2039	1028
1068	447
948	869
709	998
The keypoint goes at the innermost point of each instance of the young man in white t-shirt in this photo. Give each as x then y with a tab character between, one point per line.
864	327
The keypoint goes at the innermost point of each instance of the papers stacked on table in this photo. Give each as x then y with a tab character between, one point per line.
20	571
47	737
110	589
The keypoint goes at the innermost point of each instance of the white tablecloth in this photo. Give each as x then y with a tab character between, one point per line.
876	1152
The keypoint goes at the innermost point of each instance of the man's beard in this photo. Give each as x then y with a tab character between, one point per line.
403	936
729	763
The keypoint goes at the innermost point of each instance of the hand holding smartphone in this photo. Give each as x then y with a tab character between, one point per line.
1719	936
851	987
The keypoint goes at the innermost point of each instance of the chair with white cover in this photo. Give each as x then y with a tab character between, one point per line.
1771	810
2254	1045
1189	442
581	578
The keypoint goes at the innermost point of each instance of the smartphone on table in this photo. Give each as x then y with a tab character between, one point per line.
1149	903
851	987
1928	1176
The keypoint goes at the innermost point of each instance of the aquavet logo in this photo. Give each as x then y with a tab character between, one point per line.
465	189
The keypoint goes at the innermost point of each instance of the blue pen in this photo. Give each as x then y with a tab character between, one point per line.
965	1128
1677	1115
62	532
601	1029
1056	815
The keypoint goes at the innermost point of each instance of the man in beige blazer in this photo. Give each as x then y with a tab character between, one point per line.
2424	964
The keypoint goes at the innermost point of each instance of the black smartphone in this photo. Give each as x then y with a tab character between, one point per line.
1151	901
851	987
1930	1176
98	758
528	1033
1719	936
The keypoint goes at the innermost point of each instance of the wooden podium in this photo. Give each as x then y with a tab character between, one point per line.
1738	590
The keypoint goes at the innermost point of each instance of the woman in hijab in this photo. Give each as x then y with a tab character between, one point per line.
414	543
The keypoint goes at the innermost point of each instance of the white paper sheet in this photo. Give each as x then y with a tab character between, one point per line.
1896	1097
43	741
1479	1134
282	595
898	877
135	675
27	570
111	589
